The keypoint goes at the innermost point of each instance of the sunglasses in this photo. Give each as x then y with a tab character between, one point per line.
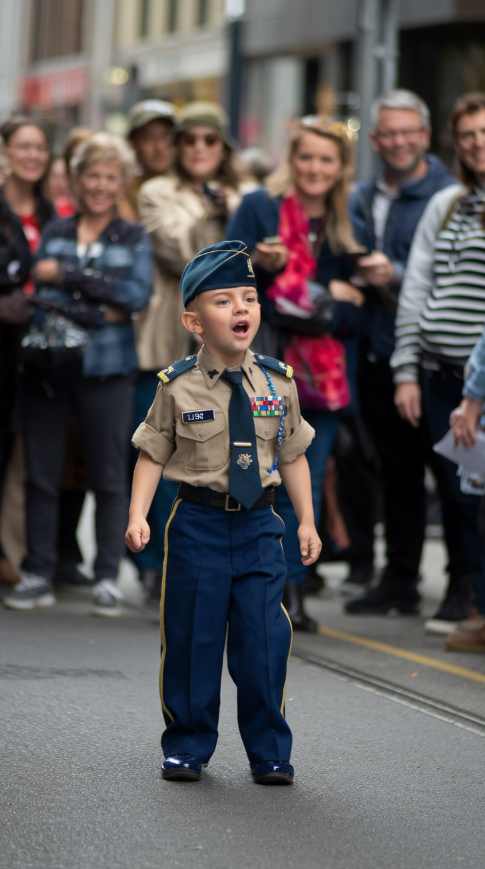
209	139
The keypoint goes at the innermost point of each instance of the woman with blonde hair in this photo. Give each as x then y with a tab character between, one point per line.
302	247
92	271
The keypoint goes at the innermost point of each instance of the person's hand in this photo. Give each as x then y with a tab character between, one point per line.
14	309
464	422
115	315
376	269
137	534
310	543
271	257
49	270
407	399
342	291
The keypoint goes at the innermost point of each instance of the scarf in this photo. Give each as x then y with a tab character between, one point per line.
318	362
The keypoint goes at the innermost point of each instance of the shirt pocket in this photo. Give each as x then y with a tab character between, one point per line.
266	428
203	446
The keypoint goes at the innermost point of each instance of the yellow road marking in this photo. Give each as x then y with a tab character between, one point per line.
435	663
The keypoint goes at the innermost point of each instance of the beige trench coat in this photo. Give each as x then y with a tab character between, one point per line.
179	223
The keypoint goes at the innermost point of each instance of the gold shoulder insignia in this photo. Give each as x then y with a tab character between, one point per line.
274	364
168	374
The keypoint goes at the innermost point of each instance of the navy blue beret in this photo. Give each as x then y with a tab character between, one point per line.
218	267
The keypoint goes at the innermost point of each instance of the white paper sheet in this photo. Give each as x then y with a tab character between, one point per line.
472	458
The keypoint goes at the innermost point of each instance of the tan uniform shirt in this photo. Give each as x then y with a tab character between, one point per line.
199	452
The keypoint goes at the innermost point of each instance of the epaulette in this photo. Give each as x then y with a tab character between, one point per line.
177	368
274	364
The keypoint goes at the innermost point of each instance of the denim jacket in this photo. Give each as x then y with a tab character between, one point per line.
116	271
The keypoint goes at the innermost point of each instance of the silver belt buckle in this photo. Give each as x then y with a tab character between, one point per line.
231	509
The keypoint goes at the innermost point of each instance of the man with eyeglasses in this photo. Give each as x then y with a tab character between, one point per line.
385	211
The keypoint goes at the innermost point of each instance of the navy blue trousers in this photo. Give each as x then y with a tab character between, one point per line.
224	573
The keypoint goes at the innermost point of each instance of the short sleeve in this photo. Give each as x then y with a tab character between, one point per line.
297	432
156	436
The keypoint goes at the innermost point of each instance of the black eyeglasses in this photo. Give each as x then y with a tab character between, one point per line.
391	134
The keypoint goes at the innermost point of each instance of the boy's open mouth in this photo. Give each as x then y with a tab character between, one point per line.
240	328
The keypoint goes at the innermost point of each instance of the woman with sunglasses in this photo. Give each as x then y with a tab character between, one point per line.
183	212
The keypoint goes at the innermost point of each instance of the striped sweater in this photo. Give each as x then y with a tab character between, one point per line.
441	310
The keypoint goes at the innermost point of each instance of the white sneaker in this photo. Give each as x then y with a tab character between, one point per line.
440	626
106	599
30	593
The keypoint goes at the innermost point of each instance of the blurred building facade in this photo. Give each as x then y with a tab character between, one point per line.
86	61
302	58
70	62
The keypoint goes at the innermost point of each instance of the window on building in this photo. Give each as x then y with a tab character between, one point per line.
202	12
172	16
144	17
56	28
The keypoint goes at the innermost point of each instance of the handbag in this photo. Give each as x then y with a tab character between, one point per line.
54	343
320	371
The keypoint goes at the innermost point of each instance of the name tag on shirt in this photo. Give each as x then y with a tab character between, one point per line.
198	415
266	405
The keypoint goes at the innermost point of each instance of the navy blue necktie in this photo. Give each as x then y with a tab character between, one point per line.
244	477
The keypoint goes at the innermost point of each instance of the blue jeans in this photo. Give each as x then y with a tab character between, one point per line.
325	423
441	394
151	558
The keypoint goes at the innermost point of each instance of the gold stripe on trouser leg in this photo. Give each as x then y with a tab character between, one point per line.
162	607
282	708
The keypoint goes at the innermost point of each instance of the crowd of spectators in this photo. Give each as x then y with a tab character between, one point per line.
374	294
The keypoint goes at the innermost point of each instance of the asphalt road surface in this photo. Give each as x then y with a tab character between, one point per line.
382	780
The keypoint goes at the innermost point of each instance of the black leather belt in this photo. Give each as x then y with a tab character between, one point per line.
221	501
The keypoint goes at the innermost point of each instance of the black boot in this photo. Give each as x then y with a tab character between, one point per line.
388	596
457	602
293	603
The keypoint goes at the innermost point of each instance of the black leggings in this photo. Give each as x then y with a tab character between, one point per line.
102	408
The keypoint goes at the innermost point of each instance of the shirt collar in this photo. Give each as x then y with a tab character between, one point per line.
213	370
382	187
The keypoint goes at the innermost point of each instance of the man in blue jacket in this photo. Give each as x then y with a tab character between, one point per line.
384	212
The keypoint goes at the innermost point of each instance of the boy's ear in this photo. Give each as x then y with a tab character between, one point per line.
192	322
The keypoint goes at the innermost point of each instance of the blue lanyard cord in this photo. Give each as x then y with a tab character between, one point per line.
280	430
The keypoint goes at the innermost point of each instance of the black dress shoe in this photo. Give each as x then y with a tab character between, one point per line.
293	603
358	579
273	772
181	767
386	598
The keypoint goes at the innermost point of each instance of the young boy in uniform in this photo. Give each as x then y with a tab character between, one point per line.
226	424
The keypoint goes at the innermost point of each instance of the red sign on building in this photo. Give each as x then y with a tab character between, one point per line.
67	87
